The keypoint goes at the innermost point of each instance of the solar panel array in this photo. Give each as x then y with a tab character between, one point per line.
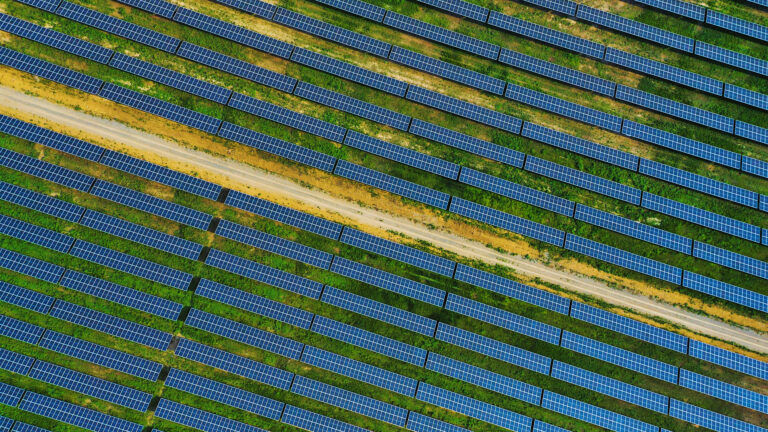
421	423
15	362
35	234
593	414
34	267
358	7
725	291
460	8
158	7
40	202
732	58
258	8
746	96
75	415
730	259
49	71
752	132
197	418
678	7
708	419
20	330
737	25
724	391
47	137
45	170
314	422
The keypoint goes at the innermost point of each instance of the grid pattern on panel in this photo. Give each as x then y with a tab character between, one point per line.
25	298
737	25
540	426
158	7
421	423
49	71
46	5
709	419
35	234
724	391
728	359
15	362
752	132
256	7
566	7
730	259
24	427
460	8
45	170
20	330
199	419
314	422
75	415
47	137
357	7
745	96
30	266
593	414
678	7
725	291
732	58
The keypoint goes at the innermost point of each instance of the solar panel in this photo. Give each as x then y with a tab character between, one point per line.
725	291
45	170
314	422
483	378
198	419
15	362
460	8
232	32
253	303
583	180
421	423
121	295
118	27
35	234
235	364
546	35
507	221
737	25
557	72
359	371
357	7
724	391
274	244
46	5
369	341
504	319
467	143
348	400
283	214
160	108
619	357
150	204
708	419
728	359
678	7
351	105
566	7
593	414
635	28
287	117
379	311
49	138
732	58
258	8
25	298
223	393
745	96
23	427
75	415
131	264
101	355
473	408
246	334
464	109
264	274
758	2
388	281
517	192
10	395
540	426
49	71
493	348
90	385
392	184
30	266
20	330
157	7
751	132
730	259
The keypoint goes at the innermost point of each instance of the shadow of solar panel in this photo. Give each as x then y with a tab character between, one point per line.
234	33
314	422
730	259
46	5
728	359
15	362
593	414
264	274
708	419
359	371
274	244
54	39
150	204
256	7
557	72
403	155
507	221
75	415
49	138
35	234
118	27
732	58
447	70
745	96
253	303
199	419
282	214
725	291
45	170
157	7
222	393
25	298
737	25
546	35
101	355
20	330
751	132
396	251
351	105
246	334
357	7
464	109
388	281
235	364
30	266
723	391
493	348
473	408
421	423
678	7
467	143
369	341
10	395
121	295
379	311
49	71
517	192
392	184
460	8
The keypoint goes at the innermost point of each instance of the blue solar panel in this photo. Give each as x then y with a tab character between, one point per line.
357	7
583	180
257	7
235	364
540	426
484	378
473	408
150	204
35	234
101	355
223	393
246	334
379	311
392	184
593	414
724	391
464	109
730	259
348	400
359	371
274	244
25	298
619	357
728	359
122	295
264	274
388	281
566	7
460	8
421	423
47	5
546	35
351	105
678	7
20	330
745	96
17	363
253	303
131	264
709	419
751	132
49	71
759	2
732	58
447	70
725	291
49	138
30	266
75	415
557	72
313	422
737	25
283	214
467	143
157	7
45	170
199	419
232	32
370	341
493	348
23	427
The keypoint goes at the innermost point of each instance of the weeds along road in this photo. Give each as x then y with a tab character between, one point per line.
276	185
